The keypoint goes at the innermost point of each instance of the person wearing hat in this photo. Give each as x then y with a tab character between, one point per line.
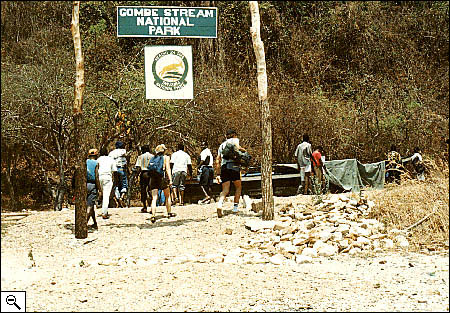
230	171
119	155
92	185
160	178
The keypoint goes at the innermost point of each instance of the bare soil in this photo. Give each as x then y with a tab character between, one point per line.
391	281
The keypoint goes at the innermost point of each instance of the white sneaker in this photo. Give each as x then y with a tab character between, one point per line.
235	210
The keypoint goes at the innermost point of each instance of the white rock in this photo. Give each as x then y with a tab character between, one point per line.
303	259
387	243
318	244
343	229
363	240
370	204
324	235
286	237
299	240
353	202
354	251
277	259
362	232
336	236
402	241
311	252
327	250
344	243
231	259
255	225
287	246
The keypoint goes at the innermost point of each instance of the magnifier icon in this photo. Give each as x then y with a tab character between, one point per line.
11	300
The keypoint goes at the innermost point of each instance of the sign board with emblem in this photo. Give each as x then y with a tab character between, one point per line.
150	21
168	72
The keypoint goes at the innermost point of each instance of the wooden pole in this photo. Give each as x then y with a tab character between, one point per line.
266	160
80	167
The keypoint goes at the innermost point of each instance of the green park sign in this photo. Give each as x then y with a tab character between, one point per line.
150	21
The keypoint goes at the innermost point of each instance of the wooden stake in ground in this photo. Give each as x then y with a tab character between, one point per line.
266	160
80	167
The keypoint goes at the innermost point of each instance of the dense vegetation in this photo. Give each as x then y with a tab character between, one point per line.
356	76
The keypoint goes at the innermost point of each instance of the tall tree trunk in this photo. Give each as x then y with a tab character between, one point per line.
80	167
266	160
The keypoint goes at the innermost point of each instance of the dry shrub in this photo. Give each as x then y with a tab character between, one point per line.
400	206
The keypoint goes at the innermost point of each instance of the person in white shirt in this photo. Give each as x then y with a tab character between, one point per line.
106	172
180	163
230	171
207	172
119	155
416	160
142	164
303	155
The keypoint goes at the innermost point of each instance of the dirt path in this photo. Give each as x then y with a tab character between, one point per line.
164	267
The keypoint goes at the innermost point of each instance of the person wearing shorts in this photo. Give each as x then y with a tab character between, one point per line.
162	182
230	171
303	155
180	163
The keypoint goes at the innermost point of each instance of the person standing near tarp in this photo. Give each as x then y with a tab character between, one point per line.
318	165
106	173
230	171
207	172
142	164
92	185
303	154
119	155
416	160
181	164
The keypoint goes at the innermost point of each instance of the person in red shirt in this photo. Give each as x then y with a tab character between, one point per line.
317	164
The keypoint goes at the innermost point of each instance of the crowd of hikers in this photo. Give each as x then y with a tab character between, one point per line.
162	178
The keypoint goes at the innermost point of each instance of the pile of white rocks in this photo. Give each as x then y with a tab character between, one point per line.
336	225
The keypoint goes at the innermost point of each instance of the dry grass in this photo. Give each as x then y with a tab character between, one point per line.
400	206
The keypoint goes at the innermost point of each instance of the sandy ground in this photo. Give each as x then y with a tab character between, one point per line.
394	281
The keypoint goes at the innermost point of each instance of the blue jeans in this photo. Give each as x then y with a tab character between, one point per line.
123	182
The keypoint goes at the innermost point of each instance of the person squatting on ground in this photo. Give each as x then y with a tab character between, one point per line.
207	172
180	163
119	155
142	164
92	185
416	160
317	165
303	154
106	173
228	171
394	166
160	178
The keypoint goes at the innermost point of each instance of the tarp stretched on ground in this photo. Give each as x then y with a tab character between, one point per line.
351	175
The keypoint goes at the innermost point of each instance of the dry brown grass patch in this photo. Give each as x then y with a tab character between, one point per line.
400	206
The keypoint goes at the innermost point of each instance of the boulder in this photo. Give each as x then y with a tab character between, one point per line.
327	250
287	246
277	259
336	236
255	225
311	252
303	259
354	251
387	243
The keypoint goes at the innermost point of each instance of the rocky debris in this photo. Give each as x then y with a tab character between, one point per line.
338	224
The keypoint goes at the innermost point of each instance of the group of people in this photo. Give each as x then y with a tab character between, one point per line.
164	176
160	175
395	164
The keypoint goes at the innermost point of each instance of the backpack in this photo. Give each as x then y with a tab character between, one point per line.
156	166
244	158
229	152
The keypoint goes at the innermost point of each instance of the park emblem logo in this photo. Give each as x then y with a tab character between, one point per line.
170	68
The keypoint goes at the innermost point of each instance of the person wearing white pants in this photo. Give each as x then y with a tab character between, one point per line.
106	170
